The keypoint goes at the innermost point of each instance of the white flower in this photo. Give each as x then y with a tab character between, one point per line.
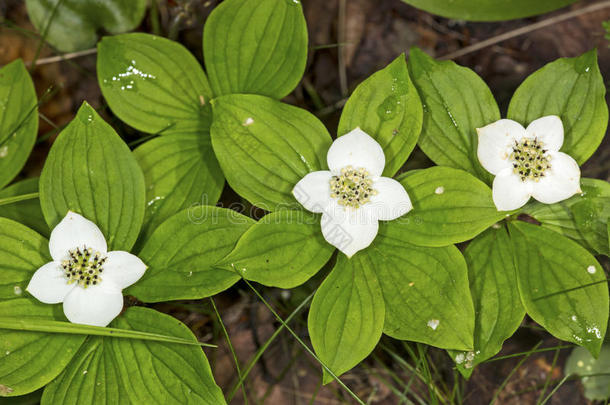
352	196
83	275
527	162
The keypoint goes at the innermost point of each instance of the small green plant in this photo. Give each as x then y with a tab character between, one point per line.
145	223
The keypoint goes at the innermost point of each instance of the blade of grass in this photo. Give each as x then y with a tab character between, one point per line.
548	377
406	366
43	37
224	331
546	349
570	289
44	325
563	380
513	371
279	318
264	347
17	198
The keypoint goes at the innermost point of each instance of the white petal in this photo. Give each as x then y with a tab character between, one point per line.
495	144
391	200
75	231
348	231
49	285
123	268
560	181
548	130
509	192
356	149
96	305
313	191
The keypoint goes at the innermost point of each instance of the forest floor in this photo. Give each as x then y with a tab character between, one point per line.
349	40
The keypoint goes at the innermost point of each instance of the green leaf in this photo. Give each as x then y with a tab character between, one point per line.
562	286
75	24
154	84
257	47
22	252
595	373
450	206
91	171
559	218
18	119
265	147
488	10
456	102
425	291
284	249
29	359
495	294
387	107
573	89
111	370
346	316
591	217
26	212
182	252
179	171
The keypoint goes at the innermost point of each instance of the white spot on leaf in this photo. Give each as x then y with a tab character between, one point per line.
433	324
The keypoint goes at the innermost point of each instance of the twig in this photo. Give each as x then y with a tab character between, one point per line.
66	56
524	30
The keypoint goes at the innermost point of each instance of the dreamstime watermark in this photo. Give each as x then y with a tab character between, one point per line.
201	212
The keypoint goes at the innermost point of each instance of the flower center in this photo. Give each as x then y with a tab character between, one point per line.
530	159
84	266
352	188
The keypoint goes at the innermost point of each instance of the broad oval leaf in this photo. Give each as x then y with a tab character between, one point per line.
256	47
154	84
456	102
29	359
180	171
74	24
113	370
559	218
387	107
449	206
346	316
182	252
495	294
18	119
284	249
91	171
573	89
425	291
562	286
592	216
488	10
26	212
265	147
